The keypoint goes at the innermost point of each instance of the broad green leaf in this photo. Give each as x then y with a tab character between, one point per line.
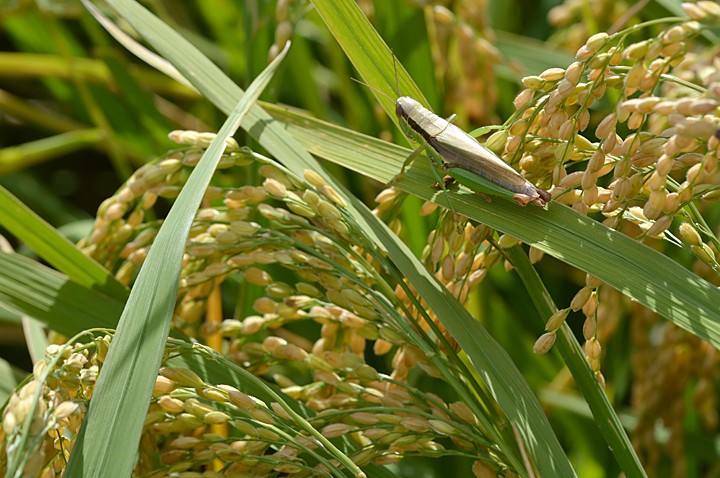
633	268
33	289
47	243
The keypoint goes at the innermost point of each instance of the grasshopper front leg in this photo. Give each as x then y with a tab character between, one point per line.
434	158
405	164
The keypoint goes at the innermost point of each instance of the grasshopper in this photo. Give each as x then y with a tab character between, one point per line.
457	149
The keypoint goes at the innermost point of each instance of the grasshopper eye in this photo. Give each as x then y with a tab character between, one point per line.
399	110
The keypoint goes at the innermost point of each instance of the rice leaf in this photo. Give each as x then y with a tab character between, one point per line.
128	375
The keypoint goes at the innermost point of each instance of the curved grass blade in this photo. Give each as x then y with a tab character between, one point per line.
136	48
633	268
602	410
126	380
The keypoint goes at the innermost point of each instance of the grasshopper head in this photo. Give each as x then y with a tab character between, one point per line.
404	106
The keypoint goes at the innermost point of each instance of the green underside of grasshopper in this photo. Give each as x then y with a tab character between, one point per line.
479	184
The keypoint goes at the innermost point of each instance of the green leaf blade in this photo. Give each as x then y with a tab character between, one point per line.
54	248
129	372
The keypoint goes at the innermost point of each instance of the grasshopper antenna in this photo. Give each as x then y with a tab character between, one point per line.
397	83
374	89
400	114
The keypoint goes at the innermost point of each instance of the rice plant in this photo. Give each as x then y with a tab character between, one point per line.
279	302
